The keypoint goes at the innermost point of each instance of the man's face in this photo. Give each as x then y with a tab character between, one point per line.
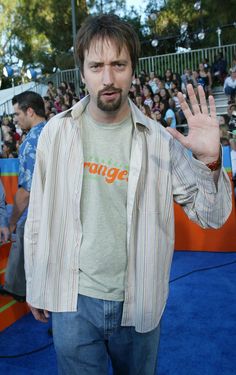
23	119
108	76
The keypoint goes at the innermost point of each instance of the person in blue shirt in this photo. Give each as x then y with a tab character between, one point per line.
4	231
30	115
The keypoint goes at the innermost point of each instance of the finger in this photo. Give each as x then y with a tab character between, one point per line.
38	314
184	106
46	314
177	135
203	102
193	99
212	107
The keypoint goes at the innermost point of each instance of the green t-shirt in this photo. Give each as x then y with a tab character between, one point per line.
103	253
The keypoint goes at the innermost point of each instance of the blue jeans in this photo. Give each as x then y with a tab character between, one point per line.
85	341
15	271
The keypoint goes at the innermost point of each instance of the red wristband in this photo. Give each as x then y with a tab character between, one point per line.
214	165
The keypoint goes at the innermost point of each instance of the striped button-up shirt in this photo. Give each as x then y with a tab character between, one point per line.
161	172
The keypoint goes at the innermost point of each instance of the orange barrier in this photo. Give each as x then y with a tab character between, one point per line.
9	176
10	309
10	185
189	236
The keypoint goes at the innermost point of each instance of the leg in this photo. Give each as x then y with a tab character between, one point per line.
134	353
79	339
15	272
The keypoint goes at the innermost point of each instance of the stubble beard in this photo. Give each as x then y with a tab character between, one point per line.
109	106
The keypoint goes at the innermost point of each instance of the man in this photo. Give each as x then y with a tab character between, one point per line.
4	231
230	85
30	115
219	69
99	235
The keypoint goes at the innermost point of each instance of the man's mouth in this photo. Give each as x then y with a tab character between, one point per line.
111	94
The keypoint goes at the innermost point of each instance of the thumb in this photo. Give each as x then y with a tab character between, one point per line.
177	135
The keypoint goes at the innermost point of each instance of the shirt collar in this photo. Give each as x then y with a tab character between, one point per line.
138	117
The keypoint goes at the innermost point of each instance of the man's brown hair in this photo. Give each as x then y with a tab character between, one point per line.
107	27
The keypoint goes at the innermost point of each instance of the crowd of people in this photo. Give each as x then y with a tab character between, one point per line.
155	95
94	208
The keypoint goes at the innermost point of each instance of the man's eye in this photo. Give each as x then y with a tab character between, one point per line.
120	65
94	67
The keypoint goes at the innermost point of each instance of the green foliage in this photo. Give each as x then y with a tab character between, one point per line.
39	32
175	12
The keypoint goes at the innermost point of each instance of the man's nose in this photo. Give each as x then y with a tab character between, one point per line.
108	77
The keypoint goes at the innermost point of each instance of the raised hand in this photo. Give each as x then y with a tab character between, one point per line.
203	138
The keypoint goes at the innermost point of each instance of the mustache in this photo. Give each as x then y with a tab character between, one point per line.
109	88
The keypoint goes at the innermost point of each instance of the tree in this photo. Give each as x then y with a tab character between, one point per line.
170	17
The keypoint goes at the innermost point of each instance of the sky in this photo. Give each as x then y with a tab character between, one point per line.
135	3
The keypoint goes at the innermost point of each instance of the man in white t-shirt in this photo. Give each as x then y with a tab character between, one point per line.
230	85
100	228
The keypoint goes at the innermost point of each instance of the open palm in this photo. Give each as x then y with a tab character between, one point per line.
203	138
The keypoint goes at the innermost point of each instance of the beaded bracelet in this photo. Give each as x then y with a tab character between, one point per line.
215	164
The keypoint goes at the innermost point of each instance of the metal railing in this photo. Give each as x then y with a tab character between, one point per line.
70	75
177	62
7	108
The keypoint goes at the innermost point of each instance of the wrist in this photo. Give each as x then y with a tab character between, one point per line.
208	160
215	165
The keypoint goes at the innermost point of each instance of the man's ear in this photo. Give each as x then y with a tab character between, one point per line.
30	112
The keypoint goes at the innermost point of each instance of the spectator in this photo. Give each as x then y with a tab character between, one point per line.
71	89
164	94
58	102
178	110
6	129
168	78
187	78
224	135
8	148
147	93
153	83
219	69
176	81
156	102
68	99
170	114
30	114
139	101
157	116
204	79
232	117
51	91
230	85
146	110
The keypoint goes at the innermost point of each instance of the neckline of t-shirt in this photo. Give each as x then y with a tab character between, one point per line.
108	127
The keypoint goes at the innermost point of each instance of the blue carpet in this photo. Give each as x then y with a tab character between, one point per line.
198	328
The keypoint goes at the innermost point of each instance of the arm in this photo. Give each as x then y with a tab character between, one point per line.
206	194
32	226
194	188
21	201
4	231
